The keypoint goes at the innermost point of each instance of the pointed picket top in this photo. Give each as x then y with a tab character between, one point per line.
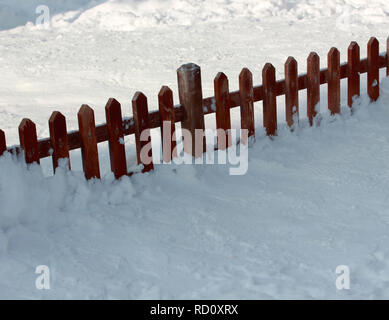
246	78
165	99
3	145
165	90
333	51
313	58
58	138
113	105
85	110
353	46
291	60
29	141
220	77
291	64
139	97
373	42
221	82
245	73
139	103
56	117
268	68
113	111
269	73
354	54
333	58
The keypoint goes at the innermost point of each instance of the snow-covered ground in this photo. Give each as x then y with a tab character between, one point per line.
311	200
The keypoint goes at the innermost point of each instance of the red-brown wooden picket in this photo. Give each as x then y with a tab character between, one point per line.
28	141
142	128
223	118
89	152
246	94
117	152
313	85
3	145
334	81
373	56
167	119
58	138
353	79
269	99
291	91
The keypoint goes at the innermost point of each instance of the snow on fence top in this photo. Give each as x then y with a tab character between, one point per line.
192	108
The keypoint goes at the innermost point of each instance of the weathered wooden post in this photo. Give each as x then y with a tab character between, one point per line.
191	99
89	151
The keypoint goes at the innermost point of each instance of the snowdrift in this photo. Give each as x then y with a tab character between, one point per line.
311	200
133	14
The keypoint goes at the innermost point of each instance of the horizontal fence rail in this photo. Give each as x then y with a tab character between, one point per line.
193	107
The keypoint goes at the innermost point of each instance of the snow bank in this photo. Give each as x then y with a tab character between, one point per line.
312	200
19	13
133	14
130	15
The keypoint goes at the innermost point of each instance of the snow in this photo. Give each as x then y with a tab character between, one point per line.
311	200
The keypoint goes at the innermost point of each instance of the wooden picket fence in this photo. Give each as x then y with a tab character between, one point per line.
192	108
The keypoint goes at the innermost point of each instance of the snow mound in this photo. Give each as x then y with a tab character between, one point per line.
19	13
312	200
126	15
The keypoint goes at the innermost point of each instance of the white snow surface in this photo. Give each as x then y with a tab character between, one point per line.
310	201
